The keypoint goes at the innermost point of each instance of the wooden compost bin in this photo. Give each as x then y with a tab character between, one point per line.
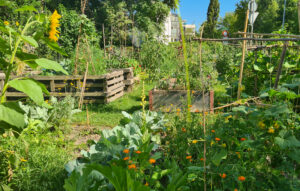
100	89
171	100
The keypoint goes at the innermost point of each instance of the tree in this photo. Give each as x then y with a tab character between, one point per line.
228	23
299	14
212	18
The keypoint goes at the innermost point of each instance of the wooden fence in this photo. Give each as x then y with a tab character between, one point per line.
100	89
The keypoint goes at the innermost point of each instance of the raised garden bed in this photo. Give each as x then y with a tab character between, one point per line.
172	100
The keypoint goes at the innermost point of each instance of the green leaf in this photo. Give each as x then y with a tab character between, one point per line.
218	157
27	58
295	155
257	68
30	40
29	87
51	65
12	117
54	46
26	8
287	65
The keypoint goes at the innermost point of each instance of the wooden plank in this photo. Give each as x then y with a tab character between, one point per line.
116	80
114	74
241	39
60	85
57	94
129	82
121	88
52	86
111	99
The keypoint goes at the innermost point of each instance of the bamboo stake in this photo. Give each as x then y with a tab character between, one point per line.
203	112
245	38
243	58
268	34
280	65
104	40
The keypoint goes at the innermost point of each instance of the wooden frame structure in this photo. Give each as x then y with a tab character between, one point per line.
100	89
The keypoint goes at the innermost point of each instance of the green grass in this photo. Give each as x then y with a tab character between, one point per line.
109	115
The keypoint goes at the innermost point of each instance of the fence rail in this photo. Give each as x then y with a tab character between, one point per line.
100	89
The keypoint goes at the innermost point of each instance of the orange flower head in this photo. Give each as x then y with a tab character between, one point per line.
138	152
213	131
243	139
183	129
126	158
202	159
217	139
131	166
126	151
152	161
242	178
190	106
178	110
6	23
146	184
195	141
235	189
188	157
197	111
223	175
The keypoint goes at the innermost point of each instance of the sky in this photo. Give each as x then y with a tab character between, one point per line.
194	11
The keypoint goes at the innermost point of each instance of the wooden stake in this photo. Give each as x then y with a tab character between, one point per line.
203	112
243	59
87	116
280	64
104	40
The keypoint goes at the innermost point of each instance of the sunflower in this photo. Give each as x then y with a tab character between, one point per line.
54	33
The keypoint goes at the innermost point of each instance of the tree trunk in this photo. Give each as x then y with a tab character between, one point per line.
299	14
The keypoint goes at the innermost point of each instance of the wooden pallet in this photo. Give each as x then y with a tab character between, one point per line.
98	89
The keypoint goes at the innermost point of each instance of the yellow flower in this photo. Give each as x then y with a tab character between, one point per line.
17	23
261	124
271	130
178	110
23	160
195	141
224	145
54	33
6	23
276	125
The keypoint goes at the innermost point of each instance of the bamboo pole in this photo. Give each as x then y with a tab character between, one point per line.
247	39
280	65
104	40
268	34
243	59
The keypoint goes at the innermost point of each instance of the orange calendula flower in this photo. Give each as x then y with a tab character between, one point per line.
183	129
217	139
243	139
131	166
197	111
126	158
126	151
213	131
235	189
54	33
242	178
138	152
195	141
6	23
190	106
152	161
202	159
178	110
146	184
193	92
188	157
223	175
